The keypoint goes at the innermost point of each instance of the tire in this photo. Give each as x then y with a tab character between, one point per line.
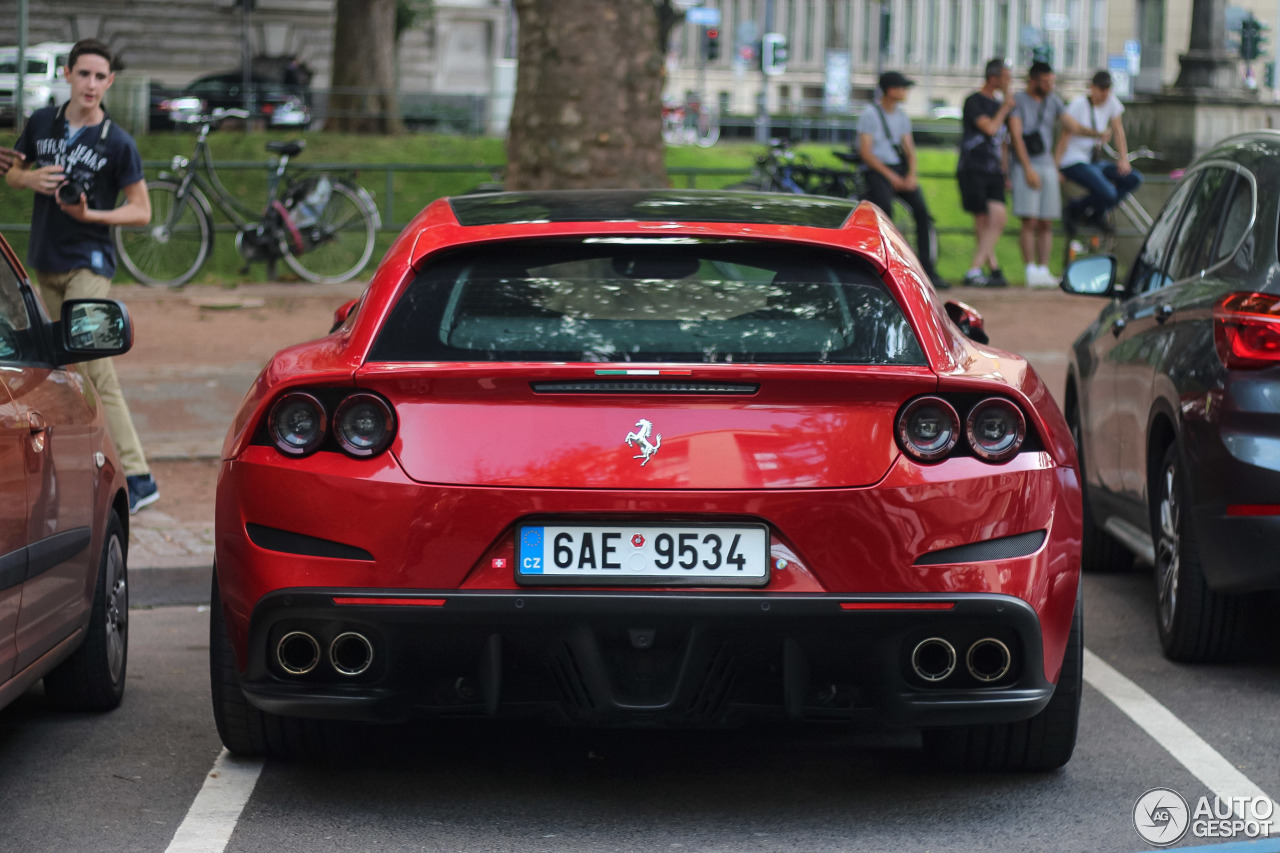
244	729
1100	552
1195	623
171	249
1044	742
93	678
340	242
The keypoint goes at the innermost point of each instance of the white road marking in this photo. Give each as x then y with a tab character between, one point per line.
213	815
1192	752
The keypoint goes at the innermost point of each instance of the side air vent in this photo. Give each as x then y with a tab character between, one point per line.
644	387
287	542
1004	548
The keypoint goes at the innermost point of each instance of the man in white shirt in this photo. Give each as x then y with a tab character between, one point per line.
1090	121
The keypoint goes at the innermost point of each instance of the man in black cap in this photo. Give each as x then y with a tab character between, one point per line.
889	162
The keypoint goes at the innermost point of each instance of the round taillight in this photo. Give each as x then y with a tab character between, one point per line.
364	424
928	428
996	428
297	424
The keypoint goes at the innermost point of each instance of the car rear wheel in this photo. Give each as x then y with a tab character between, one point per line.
244	729
1195	623
1044	742
1099	551
92	679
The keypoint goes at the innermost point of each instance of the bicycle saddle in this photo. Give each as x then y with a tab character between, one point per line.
288	149
848	157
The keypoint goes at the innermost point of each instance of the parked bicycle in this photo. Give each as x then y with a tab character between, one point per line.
321	226
690	123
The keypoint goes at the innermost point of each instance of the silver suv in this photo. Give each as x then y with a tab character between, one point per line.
43	83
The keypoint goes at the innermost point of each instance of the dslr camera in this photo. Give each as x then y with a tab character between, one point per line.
69	192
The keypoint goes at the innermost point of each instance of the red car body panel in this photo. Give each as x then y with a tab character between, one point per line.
811	454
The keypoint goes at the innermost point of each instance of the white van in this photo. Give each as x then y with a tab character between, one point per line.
43	84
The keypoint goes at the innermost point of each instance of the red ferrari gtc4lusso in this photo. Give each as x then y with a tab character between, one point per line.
652	458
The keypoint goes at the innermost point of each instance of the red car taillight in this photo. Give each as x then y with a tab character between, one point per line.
995	429
297	424
363	424
1246	330
928	428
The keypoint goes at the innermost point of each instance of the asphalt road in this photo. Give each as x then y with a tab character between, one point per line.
126	781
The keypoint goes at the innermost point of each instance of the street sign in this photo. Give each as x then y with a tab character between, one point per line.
835	89
1121	82
1056	22
703	16
1133	53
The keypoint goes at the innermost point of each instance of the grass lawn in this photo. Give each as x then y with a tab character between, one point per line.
410	191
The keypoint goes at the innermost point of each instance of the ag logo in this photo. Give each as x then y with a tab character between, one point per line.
1161	817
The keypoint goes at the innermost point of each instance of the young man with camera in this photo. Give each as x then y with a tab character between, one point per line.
77	162
1037	199
888	156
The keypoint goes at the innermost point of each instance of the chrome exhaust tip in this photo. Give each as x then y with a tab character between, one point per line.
351	653
988	659
297	653
933	659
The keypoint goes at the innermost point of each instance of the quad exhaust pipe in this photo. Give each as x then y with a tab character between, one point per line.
351	653
988	660
297	652
933	659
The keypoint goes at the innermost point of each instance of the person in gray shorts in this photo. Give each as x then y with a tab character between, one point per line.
1037	195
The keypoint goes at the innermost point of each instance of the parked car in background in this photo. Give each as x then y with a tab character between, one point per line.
1172	395
64	507
279	85
43	83
651	458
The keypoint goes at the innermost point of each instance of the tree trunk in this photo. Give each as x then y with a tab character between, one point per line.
588	104
362	98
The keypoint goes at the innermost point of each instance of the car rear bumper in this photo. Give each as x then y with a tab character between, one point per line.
656	659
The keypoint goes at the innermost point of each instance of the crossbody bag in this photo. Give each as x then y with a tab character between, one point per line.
1033	140
897	146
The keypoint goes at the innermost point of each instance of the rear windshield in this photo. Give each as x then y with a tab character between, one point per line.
620	300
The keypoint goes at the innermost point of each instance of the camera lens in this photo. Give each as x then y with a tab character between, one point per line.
70	192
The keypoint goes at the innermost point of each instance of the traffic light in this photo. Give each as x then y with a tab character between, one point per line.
711	45
773	54
1252	38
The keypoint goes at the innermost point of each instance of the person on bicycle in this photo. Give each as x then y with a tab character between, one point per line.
1092	120
981	170
1037	198
889	163
77	161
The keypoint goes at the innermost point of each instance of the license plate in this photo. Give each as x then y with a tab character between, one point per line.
643	554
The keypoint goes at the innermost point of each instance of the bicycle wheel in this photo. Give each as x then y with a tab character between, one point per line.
338	244
171	249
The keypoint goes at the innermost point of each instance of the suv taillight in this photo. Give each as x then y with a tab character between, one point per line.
1246	330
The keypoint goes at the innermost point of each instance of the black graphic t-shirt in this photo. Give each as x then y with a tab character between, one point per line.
979	152
103	166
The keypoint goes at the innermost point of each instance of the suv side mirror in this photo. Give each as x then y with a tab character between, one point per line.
1091	276
93	328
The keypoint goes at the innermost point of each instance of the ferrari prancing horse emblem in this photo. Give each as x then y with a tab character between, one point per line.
640	438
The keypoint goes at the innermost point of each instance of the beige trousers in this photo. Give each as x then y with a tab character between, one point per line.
84	284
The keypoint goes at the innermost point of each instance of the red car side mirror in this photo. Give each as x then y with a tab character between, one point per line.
969	321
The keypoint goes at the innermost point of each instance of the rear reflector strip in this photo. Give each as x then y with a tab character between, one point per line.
635	371
393	602
644	386
1239	510
897	605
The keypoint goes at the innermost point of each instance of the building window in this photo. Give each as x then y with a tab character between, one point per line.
909	51
953	37
1071	45
931	34
1000	44
807	30
975	31
1098	35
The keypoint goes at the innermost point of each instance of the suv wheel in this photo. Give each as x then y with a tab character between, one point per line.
1195	623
